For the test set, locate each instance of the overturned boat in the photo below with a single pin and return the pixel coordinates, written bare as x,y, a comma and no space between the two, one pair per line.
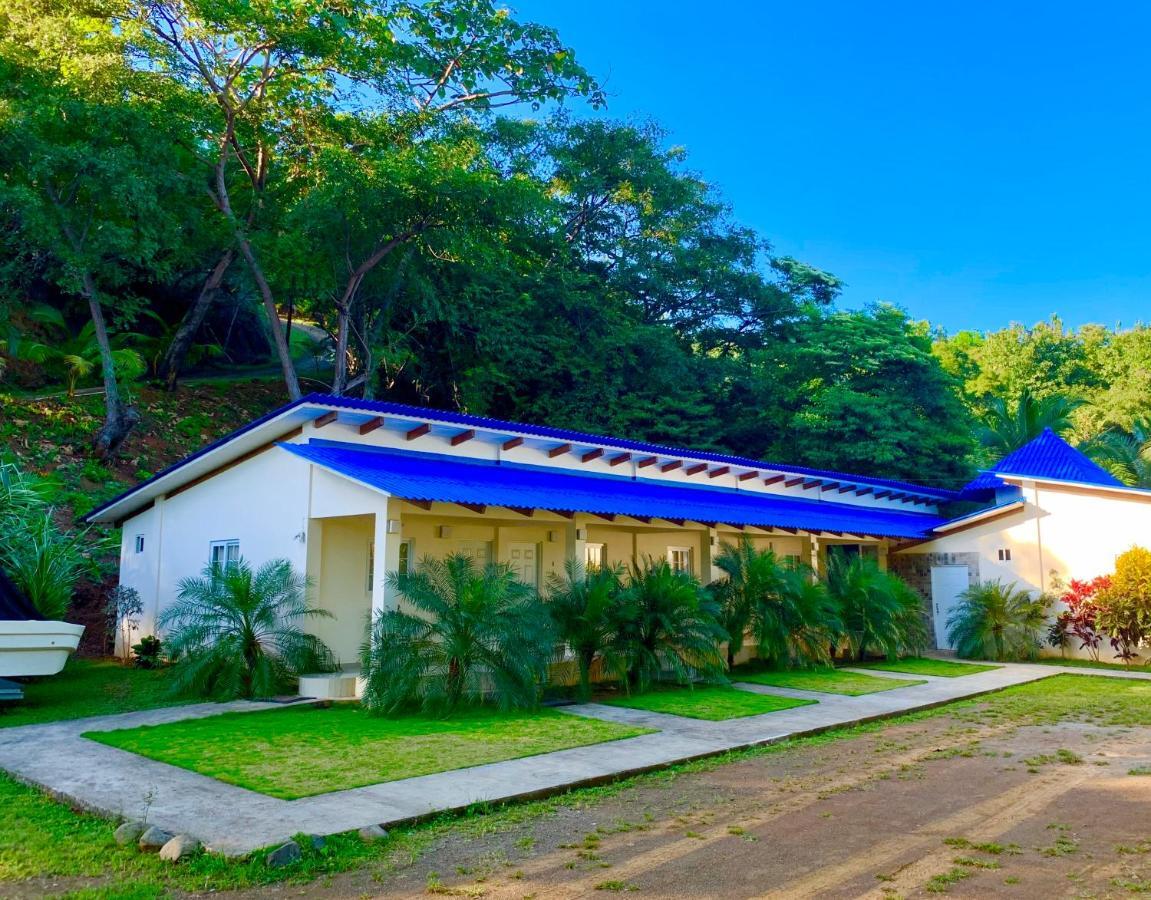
30,644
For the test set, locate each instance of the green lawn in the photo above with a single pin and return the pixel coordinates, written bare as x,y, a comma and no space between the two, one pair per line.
1092,664
829,681
88,688
711,703
921,665
304,750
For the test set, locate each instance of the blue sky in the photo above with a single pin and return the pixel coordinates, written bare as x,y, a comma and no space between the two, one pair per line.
974,163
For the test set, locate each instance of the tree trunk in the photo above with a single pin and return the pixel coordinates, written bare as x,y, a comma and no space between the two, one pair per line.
185,335
283,351
119,418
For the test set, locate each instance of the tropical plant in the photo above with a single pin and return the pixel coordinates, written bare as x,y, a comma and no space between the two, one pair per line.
1078,621
1126,454
237,632
477,633
787,611
42,560
669,626
148,654
124,609
585,609
999,621
77,357
879,611
1005,426
1124,606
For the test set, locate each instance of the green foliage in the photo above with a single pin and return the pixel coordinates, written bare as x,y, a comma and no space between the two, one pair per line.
669,626
236,632
997,621
714,704
1123,607
879,611
1006,426
585,609
148,654
476,634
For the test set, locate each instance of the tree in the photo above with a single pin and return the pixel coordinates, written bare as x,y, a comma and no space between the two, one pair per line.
286,79
668,624
236,631
1126,454
1124,606
585,610
1007,426
879,611
475,633
998,621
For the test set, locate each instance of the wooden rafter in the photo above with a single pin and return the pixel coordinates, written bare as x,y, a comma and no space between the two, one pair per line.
422,504
695,470
592,454
747,476
559,450
419,431
474,507
647,461
619,460
722,470
791,482
773,479
326,419
512,443
523,511
668,466
372,424
463,436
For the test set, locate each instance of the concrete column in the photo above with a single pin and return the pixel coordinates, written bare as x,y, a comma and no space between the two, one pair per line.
882,553
709,547
387,539
575,539
816,561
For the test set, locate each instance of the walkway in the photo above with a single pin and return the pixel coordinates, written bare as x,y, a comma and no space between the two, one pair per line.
234,820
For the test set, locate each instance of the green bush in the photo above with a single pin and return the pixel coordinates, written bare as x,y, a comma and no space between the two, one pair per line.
997,621
879,611
477,634
586,608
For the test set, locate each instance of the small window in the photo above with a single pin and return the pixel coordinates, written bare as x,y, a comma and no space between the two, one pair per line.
370,581
224,553
1005,554
594,556
680,558
139,543
404,566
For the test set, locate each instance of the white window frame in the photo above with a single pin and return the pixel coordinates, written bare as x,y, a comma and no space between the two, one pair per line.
227,546
688,554
595,555
139,543
406,557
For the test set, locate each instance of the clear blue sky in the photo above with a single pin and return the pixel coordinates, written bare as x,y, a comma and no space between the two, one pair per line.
975,163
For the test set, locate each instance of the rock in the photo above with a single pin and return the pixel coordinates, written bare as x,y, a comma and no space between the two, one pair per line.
373,833
283,855
154,838
318,841
180,847
130,832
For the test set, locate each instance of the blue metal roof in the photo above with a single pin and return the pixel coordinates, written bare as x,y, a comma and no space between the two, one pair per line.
1045,457
380,407
451,479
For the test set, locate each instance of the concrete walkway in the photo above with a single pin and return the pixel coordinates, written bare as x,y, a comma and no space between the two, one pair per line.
234,820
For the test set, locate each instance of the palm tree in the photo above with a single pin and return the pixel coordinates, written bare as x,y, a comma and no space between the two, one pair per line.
788,612
78,357
584,607
997,621
669,624
476,632
1126,454
235,632
1005,427
880,612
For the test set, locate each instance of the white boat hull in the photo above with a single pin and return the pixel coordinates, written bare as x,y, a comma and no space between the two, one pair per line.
36,648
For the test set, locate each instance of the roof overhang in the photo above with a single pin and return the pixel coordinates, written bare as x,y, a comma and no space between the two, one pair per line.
977,518
1079,486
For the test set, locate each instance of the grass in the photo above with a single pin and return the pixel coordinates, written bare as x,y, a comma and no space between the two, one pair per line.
43,840
1092,664
304,750
712,703
830,681
88,688
922,665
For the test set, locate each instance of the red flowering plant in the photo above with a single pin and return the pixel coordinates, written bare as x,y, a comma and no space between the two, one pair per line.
1077,621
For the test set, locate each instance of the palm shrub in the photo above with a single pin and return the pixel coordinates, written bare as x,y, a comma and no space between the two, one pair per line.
475,633
790,614
237,632
585,610
880,612
668,624
997,621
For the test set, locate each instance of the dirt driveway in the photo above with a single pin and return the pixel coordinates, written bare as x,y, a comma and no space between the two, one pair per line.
968,803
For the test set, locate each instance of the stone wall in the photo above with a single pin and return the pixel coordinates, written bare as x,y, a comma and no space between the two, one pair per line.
915,569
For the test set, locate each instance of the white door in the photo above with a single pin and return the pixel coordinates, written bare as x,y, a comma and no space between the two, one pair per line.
947,583
524,559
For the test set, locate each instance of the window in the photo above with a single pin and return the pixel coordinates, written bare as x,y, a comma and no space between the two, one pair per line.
404,566
224,553
680,558
370,581
1005,554
594,556
139,543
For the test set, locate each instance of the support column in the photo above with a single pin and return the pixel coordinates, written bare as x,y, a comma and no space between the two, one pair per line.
709,547
575,539
882,555
387,539
816,561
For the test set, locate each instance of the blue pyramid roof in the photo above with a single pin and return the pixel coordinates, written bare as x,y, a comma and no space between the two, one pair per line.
1045,457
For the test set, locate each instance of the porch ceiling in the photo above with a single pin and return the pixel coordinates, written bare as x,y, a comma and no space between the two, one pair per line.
451,479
